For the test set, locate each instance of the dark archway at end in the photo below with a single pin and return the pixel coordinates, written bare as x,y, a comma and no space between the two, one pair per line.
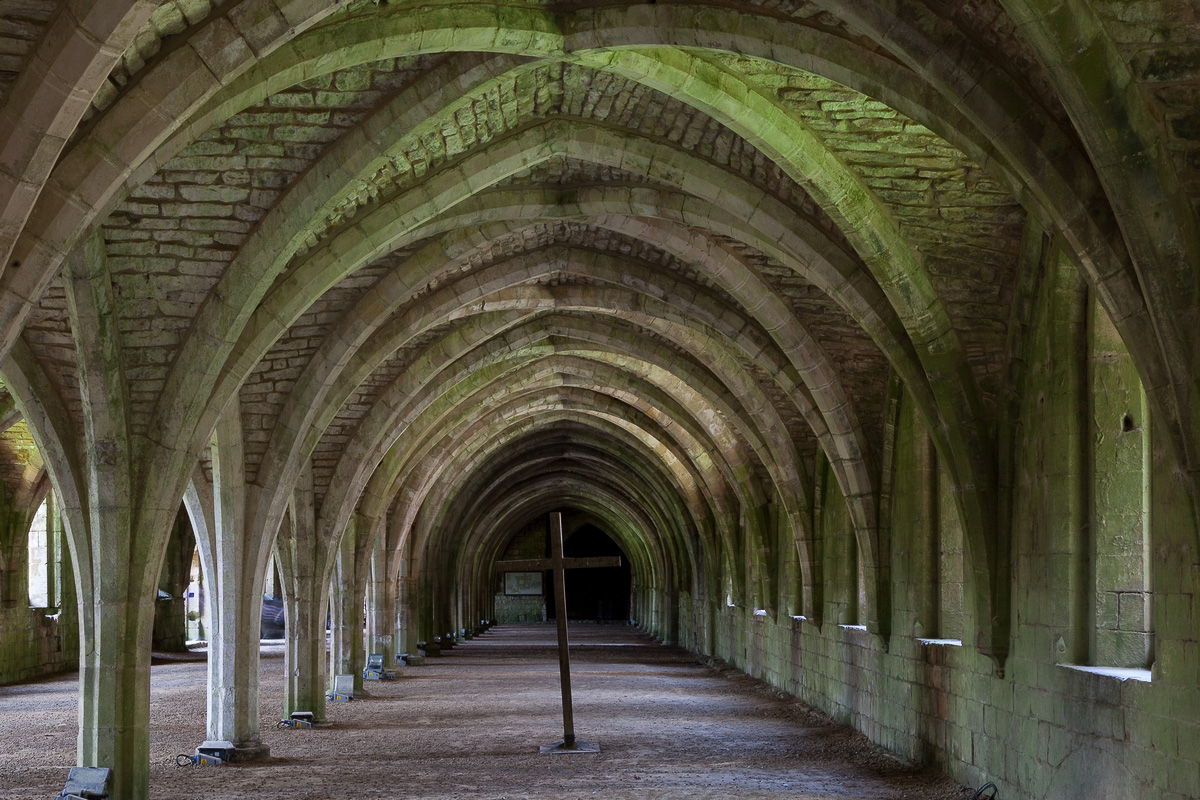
595,595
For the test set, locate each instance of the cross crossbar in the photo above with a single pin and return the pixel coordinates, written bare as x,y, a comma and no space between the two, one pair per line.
559,565
532,564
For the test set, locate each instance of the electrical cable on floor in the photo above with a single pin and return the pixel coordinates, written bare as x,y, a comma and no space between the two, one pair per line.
184,760
978,794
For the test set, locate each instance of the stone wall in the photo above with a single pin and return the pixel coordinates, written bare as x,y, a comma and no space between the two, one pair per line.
41,641
33,644
1040,731
1098,697
527,543
520,608
36,641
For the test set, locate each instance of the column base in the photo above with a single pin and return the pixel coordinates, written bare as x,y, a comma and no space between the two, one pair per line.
250,751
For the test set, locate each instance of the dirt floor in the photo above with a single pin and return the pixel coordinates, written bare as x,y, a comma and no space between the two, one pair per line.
468,725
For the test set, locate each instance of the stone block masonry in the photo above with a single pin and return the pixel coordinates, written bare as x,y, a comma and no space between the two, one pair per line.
1104,555
34,643
864,330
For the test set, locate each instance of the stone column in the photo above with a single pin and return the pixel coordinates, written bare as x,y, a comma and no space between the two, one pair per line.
637,609
405,640
422,607
303,565
381,605
671,605
407,626
234,597
473,600
346,656
441,600
117,527
67,596
704,611
271,581
114,670
456,595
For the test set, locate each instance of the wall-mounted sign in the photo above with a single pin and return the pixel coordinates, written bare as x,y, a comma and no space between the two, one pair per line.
522,583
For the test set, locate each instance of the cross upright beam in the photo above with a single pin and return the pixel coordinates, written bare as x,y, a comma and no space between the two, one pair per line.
559,565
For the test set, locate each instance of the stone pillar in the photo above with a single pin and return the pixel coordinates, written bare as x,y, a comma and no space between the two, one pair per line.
272,581
441,618
234,598
454,601
708,621
405,639
67,597
114,677
671,607
346,656
381,605
472,603
407,616
656,612
423,603
302,567
117,527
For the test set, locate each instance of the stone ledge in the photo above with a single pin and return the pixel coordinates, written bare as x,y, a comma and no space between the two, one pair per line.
1120,673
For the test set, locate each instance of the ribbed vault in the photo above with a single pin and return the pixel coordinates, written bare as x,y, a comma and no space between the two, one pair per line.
375,285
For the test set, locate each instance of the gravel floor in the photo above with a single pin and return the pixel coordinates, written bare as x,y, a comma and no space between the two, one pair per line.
468,725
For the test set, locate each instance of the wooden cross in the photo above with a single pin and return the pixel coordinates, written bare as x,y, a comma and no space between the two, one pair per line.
559,564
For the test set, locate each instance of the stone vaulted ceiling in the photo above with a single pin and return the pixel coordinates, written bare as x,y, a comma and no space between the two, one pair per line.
448,265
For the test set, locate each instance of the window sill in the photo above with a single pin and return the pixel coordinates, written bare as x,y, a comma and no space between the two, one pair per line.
1120,673
940,642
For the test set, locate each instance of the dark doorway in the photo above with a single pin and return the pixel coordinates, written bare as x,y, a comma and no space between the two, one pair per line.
598,595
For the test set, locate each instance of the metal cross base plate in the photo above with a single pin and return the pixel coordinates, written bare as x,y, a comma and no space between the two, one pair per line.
558,749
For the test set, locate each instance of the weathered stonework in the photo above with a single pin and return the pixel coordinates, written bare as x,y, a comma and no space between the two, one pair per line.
865,329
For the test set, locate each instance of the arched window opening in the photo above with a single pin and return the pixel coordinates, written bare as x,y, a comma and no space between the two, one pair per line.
41,556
